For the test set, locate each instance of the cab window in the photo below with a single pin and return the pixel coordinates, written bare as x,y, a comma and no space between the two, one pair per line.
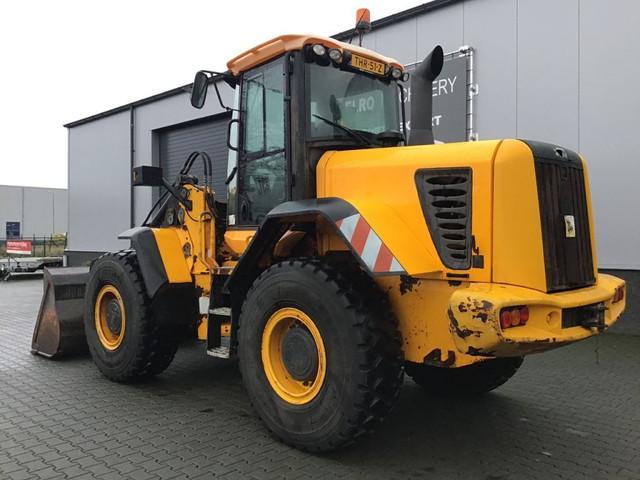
262,172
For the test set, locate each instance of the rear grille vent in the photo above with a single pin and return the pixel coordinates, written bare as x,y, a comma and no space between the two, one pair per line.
564,217
445,197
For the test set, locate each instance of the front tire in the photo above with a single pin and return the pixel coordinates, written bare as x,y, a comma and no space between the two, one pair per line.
124,339
477,378
319,354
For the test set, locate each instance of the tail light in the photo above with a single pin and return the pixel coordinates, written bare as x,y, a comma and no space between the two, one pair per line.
514,316
618,295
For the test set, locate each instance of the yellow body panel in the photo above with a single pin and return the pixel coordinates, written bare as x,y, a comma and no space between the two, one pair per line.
592,230
188,250
518,258
447,317
420,308
454,321
380,184
474,314
517,232
238,240
441,322
170,246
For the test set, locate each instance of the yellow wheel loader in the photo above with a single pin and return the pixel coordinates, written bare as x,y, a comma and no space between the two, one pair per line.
346,252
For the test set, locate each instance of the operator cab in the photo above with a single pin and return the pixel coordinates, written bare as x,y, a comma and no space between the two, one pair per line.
297,97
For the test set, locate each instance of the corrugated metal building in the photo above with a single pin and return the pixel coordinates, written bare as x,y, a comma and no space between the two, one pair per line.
562,72
160,130
32,212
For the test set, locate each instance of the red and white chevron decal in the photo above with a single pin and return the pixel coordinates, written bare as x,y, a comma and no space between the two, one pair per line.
367,244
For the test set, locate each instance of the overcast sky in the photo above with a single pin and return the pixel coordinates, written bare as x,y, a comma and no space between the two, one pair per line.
67,59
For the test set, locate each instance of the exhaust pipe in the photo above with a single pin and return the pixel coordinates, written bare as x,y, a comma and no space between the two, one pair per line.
422,97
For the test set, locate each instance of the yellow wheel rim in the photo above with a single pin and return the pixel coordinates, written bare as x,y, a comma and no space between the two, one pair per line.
293,356
110,317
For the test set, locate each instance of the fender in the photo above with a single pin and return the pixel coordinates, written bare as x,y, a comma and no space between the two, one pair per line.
383,185
362,240
159,263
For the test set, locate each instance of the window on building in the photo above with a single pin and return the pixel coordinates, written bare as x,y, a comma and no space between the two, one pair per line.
13,230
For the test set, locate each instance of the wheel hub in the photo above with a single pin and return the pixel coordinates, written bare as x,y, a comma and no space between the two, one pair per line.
293,356
299,353
114,316
110,317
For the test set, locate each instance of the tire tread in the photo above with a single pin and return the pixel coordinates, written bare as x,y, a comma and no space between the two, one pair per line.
155,348
379,347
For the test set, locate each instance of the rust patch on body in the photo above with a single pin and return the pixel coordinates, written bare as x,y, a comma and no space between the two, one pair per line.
461,332
407,283
434,358
479,309
478,351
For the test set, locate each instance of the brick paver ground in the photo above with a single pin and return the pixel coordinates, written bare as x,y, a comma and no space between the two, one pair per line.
573,413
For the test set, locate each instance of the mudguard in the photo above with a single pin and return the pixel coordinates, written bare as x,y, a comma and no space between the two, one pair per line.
350,225
159,263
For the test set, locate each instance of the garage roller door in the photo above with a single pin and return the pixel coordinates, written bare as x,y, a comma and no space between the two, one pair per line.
210,135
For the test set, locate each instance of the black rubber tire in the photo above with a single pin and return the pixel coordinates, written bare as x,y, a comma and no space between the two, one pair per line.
478,378
364,358
147,349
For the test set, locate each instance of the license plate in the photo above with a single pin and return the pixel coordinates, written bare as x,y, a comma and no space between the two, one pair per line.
367,65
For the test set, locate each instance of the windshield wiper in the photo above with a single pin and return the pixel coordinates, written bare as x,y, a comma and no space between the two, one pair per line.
390,136
361,138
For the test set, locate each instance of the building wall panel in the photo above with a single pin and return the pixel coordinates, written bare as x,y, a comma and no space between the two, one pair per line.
10,207
61,217
399,41
609,106
440,27
547,79
99,184
40,211
490,28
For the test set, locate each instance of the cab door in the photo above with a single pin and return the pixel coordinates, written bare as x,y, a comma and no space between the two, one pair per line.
262,181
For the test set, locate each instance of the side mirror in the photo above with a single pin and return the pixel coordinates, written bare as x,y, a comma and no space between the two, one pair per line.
147,176
199,89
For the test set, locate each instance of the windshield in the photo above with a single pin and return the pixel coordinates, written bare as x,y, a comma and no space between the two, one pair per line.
353,100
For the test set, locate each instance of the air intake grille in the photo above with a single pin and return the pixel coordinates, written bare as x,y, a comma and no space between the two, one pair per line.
445,197
566,236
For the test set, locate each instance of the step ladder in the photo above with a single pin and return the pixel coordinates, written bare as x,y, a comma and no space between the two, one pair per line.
222,351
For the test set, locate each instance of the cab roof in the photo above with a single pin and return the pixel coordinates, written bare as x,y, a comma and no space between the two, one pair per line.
286,43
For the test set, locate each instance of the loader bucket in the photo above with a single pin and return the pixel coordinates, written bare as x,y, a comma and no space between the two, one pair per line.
59,328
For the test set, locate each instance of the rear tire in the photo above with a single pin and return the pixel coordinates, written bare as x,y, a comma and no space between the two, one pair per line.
477,378
347,383
124,339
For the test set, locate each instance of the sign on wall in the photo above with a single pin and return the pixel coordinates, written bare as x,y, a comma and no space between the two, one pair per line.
453,92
